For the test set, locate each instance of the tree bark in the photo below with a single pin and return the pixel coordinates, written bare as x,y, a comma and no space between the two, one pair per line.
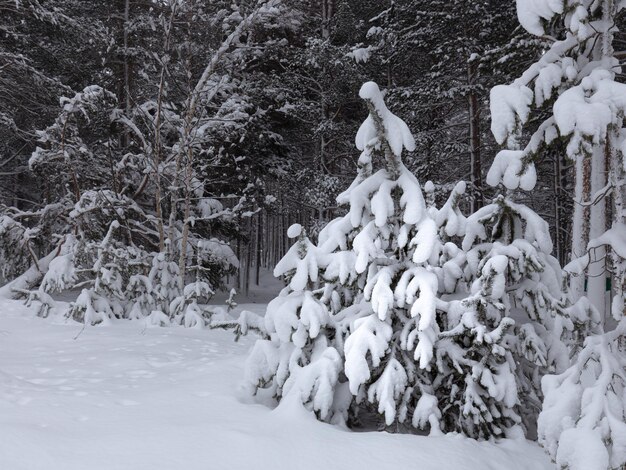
596,284
328,9
474,131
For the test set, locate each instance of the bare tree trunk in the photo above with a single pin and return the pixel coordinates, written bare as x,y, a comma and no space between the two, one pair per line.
474,131
596,287
157,149
328,9
557,206
238,276
126,60
259,252
248,258
182,262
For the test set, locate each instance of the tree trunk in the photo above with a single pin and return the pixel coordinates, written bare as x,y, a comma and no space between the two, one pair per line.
126,58
557,206
596,284
579,233
259,251
474,131
617,176
328,8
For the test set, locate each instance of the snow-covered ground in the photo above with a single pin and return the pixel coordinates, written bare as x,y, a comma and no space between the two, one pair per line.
129,397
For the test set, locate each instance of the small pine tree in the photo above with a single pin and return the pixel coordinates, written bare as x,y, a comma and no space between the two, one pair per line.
105,300
508,331
356,327
109,279
166,283
139,289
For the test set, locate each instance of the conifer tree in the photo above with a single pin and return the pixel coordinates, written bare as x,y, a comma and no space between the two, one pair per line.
509,331
575,83
357,326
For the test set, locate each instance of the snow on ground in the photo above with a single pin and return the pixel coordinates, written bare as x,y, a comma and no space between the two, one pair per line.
126,397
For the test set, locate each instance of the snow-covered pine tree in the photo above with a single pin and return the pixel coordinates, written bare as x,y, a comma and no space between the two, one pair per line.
582,421
139,289
386,323
104,167
575,81
103,301
357,326
166,282
300,358
507,333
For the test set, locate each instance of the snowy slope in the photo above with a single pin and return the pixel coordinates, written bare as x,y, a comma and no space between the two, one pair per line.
126,397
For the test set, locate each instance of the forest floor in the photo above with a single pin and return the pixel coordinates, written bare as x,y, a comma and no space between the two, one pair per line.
125,396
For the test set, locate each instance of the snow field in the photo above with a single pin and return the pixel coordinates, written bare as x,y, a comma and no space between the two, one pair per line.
128,397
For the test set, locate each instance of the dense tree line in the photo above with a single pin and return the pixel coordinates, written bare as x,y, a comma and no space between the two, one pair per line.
291,86
297,81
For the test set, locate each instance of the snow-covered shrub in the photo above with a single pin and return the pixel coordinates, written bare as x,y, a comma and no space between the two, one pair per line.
583,423
90,308
166,283
15,250
139,289
193,314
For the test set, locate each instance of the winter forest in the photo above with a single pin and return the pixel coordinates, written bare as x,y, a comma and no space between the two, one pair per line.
304,234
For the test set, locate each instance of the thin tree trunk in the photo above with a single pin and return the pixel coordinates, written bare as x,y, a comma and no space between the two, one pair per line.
557,206
238,277
126,60
474,131
596,290
259,252
157,134
328,7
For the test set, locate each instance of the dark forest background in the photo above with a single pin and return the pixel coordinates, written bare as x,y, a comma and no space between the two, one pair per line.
277,135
